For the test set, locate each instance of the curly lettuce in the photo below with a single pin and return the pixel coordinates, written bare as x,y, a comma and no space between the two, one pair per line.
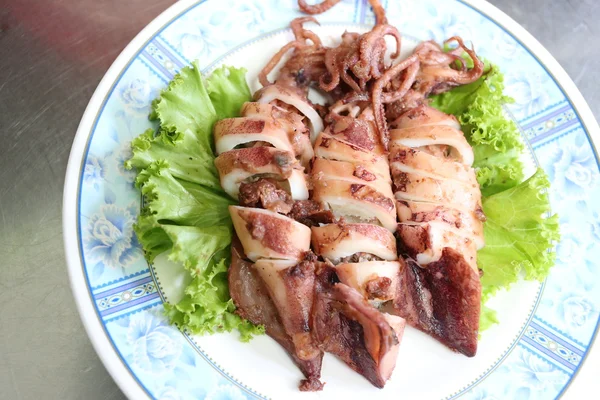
496,140
185,211
519,232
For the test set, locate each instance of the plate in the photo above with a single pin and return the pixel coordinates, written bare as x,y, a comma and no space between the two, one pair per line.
546,328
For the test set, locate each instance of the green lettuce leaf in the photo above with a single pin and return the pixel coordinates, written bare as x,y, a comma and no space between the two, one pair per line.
207,308
180,202
152,237
228,91
496,140
185,211
487,318
519,235
185,106
184,157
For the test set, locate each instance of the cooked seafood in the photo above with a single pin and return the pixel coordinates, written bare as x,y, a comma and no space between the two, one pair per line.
305,65
254,303
291,285
358,189
237,166
338,241
277,93
439,206
345,324
235,133
265,234
375,280
263,156
350,176
434,168
442,299
361,191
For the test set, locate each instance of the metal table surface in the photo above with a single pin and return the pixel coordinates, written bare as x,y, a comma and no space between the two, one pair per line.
53,53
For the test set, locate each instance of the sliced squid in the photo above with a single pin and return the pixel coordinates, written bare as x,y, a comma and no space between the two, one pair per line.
232,132
240,165
327,170
294,120
346,325
291,286
375,280
450,142
266,234
253,109
356,202
415,187
425,242
424,115
245,131
357,132
292,98
461,220
442,300
441,227
332,148
397,323
411,160
337,241
254,303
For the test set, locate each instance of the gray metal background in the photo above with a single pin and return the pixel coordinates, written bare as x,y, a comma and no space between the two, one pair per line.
52,55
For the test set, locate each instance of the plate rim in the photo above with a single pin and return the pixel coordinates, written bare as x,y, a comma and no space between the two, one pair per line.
95,329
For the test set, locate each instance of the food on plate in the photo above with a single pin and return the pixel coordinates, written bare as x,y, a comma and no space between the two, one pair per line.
347,242
348,326
255,304
266,234
361,193
337,224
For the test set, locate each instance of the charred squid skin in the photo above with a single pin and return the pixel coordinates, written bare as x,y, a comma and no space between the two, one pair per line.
442,300
291,287
253,302
346,325
277,293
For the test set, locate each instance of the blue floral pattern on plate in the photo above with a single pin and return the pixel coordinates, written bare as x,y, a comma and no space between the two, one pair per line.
164,361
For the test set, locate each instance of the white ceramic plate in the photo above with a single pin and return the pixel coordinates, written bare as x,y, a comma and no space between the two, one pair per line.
546,328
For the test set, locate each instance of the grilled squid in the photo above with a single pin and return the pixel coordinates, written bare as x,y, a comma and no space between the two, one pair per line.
305,65
438,203
376,175
291,98
345,324
350,176
263,157
432,173
356,189
255,303
364,256
339,242
266,234
291,285
281,133
242,165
